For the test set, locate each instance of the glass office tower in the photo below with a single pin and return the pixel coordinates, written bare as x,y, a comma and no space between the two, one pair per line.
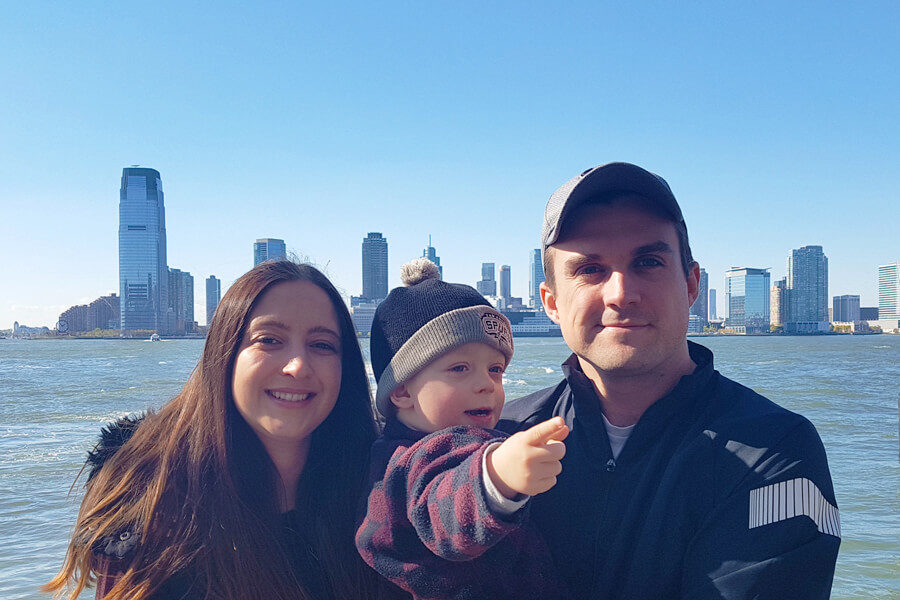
268,249
143,273
536,272
748,295
374,266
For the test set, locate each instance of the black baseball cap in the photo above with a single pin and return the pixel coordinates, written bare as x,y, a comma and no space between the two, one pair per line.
599,182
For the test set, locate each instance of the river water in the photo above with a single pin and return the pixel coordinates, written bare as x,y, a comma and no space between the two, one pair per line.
55,396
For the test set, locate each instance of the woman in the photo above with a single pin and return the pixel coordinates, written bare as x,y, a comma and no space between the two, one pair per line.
245,485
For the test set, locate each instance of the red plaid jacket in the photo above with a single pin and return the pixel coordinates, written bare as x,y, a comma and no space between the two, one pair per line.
429,529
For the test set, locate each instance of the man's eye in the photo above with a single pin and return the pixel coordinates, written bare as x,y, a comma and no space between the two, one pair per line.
648,261
588,270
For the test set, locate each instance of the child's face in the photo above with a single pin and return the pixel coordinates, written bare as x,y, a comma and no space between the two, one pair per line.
462,387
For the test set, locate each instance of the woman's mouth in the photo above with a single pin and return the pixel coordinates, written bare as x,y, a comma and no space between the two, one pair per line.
288,396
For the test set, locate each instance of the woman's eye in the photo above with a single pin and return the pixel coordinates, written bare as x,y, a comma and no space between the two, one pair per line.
266,340
325,347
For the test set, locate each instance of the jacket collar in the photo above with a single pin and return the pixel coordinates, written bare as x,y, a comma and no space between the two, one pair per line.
396,430
680,404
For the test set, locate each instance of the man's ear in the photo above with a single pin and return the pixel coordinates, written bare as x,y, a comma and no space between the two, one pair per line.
693,282
400,397
548,299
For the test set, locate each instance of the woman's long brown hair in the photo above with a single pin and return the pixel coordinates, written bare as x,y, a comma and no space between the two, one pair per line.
198,483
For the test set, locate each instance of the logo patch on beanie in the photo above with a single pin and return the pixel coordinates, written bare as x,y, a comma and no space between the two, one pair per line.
496,326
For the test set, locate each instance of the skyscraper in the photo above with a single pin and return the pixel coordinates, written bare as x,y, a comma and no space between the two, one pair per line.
181,301
536,273
747,290
699,307
213,297
889,291
268,249
712,304
488,285
807,284
505,283
845,308
778,302
143,273
431,254
374,267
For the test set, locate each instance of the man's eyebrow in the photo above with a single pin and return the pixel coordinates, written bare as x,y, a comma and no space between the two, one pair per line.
580,259
654,248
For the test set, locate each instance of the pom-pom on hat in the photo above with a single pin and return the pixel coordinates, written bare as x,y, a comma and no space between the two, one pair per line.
426,319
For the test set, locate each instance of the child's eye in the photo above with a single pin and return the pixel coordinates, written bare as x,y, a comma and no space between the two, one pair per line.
458,368
497,369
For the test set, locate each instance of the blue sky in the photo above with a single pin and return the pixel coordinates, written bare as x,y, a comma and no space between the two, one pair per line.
776,126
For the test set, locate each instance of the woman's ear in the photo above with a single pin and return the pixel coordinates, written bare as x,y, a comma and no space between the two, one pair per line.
400,397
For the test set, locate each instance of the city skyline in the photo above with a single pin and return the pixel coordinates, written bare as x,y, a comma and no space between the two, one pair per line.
426,120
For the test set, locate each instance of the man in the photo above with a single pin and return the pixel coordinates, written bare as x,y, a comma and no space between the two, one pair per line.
677,482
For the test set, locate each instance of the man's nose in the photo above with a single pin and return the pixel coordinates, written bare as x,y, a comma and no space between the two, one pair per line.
620,290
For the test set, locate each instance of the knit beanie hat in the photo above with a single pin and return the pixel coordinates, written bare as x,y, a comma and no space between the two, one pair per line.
426,319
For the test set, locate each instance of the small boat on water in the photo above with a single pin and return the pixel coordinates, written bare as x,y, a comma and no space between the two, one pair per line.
154,337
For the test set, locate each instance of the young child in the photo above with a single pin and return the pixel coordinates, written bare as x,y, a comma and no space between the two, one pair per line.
446,514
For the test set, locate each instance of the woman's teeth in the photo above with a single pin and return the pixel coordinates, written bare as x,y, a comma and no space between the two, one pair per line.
290,397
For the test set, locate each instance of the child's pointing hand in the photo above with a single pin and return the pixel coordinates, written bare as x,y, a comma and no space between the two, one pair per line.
528,461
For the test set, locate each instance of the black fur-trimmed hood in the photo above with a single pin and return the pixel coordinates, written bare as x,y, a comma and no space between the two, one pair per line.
112,437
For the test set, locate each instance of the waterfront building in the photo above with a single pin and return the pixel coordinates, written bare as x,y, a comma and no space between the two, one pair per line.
431,254
536,273
181,302
363,314
747,290
374,266
868,313
268,249
845,308
531,323
488,285
505,285
807,284
213,297
143,272
889,296
712,305
699,307
889,291
778,302
102,313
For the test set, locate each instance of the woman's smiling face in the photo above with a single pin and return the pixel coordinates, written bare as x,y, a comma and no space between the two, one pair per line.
287,374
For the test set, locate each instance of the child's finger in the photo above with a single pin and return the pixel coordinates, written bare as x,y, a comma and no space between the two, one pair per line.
548,430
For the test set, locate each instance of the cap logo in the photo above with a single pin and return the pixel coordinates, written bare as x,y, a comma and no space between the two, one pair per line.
495,326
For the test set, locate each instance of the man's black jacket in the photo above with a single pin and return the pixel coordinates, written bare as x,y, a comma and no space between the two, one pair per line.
718,493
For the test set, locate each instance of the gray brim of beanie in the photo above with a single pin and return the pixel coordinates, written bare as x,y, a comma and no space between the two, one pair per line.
439,336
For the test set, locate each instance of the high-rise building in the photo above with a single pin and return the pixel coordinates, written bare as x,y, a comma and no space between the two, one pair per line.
143,272
889,291
505,283
845,308
747,290
488,285
213,297
712,304
807,285
268,249
778,302
699,307
536,273
181,301
431,254
374,267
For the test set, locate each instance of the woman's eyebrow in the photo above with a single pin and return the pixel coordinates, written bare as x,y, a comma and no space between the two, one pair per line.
260,322
323,329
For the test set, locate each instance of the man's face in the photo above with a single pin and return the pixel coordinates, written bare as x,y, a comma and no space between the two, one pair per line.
620,294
